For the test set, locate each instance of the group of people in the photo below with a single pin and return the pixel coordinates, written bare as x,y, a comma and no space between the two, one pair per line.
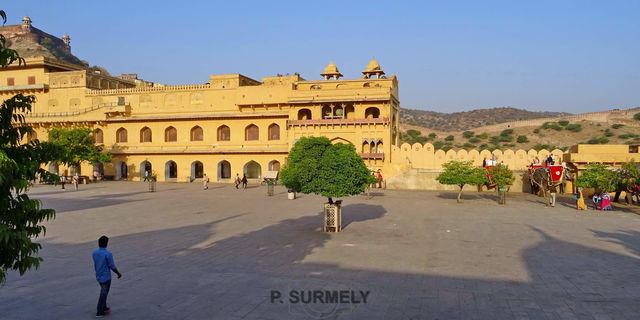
75,180
550,160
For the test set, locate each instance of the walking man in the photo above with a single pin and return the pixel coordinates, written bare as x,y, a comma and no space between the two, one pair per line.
552,196
63,180
244,181
75,180
237,181
104,264
205,181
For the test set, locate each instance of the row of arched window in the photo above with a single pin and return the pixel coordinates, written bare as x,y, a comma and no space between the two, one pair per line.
251,133
251,169
339,112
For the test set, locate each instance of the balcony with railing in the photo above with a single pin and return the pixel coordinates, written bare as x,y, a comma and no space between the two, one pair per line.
372,156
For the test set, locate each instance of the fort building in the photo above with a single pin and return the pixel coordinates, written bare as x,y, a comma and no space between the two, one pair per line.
229,125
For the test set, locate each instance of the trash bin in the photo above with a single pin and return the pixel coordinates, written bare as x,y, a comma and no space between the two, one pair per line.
333,216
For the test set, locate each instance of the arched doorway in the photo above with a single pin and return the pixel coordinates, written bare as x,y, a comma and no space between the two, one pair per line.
170,171
224,170
197,170
253,170
145,166
122,172
274,165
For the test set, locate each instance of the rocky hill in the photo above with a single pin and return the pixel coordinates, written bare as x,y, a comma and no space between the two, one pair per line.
460,121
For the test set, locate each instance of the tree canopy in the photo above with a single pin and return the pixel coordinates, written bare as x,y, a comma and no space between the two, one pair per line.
502,175
461,173
77,145
598,176
315,165
20,216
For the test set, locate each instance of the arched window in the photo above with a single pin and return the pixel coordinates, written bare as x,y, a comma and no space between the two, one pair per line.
145,134
379,147
146,170
224,170
338,112
253,170
224,133
170,170
170,134
197,170
121,135
251,132
274,165
327,112
372,112
197,134
304,114
98,136
366,147
274,132
349,112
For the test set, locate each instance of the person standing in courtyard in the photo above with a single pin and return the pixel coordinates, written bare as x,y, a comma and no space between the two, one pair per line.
146,175
379,178
237,181
63,180
205,182
244,181
552,196
103,264
580,205
95,176
75,180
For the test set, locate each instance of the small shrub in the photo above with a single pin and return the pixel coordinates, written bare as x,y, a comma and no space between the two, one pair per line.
483,146
536,130
628,136
563,123
449,138
438,145
637,116
574,127
617,125
598,140
468,146
474,140
608,133
551,125
432,136
467,134
506,132
522,139
483,136
509,145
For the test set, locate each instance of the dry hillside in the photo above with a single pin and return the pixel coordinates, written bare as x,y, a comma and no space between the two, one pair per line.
617,127
460,121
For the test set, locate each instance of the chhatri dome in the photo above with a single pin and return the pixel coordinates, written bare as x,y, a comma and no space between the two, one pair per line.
331,71
373,69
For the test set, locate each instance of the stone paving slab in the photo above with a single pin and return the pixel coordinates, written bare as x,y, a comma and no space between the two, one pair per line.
188,253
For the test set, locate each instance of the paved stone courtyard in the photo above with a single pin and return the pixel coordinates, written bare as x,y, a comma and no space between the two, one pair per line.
188,253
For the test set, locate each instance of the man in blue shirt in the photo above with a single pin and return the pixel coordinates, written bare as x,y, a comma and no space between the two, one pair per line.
103,263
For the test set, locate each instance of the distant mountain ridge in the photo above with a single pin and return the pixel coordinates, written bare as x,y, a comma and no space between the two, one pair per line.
460,121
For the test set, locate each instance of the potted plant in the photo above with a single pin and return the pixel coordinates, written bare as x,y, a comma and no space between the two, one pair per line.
315,165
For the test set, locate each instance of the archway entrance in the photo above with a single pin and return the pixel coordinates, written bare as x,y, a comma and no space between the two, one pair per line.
170,171
122,172
274,165
53,168
145,166
224,170
197,170
253,170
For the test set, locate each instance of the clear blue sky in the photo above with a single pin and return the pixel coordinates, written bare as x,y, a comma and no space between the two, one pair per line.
572,56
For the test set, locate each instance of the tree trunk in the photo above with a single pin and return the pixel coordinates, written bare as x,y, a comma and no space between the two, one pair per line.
460,193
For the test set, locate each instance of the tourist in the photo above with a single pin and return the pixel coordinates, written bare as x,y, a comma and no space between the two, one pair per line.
536,161
552,196
63,180
95,176
75,180
379,178
484,162
103,264
237,181
580,205
146,175
205,182
244,181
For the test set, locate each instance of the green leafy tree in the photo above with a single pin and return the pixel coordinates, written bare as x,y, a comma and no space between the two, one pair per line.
77,145
467,134
315,165
461,173
502,177
20,216
637,116
599,177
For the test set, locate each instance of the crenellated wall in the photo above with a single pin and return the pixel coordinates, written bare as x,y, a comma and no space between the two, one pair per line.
416,166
